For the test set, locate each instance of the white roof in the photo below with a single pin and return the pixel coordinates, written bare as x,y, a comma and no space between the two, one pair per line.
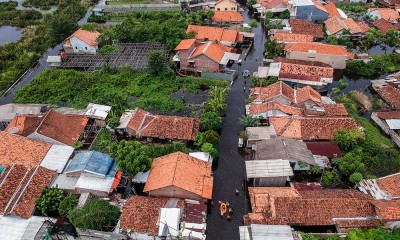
248,34
204,156
125,118
16,228
274,69
260,133
97,111
341,13
57,157
53,59
91,182
271,232
393,123
169,221
302,2
229,56
65,182
268,168
9,111
141,177
262,72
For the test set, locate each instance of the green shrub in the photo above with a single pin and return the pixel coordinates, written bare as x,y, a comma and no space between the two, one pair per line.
210,121
49,201
67,204
356,177
330,178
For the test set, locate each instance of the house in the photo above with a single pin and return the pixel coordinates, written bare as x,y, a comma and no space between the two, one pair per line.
301,26
292,38
334,55
279,92
97,111
224,17
389,90
388,14
273,108
16,228
227,5
343,209
82,41
384,26
9,111
261,231
204,57
256,134
20,187
333,11
181,176
268,173
389,122
296,152
386,188
388,3
327,149
388,213
89,172
310,128
141,124
339,27
275,6
303,72
310,10
224,36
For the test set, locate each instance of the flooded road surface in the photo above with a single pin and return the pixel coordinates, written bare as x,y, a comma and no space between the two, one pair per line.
9,34
230,172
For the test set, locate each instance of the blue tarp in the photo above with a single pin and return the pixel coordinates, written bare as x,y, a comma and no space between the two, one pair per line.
92,161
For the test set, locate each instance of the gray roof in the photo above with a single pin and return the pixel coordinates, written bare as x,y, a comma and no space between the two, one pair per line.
265,232
260,133
9,111
57,157
284,148
268,168
12,227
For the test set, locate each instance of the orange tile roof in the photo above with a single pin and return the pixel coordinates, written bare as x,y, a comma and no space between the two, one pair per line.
23,125
390,184
390,94
310,128
141,214
334,25
65,128
262,198
292,37
318,5
145,124
352,26
388,211
227,16
21,150
277,89
387,13
269,4
319,48
338,109
215,51
301,26
183,171
185,44
308,93
384,25
363,26
214,33
89,37
304,71
332,10
268,106
232,1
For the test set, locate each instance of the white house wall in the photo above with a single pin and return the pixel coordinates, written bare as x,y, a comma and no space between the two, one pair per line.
80,46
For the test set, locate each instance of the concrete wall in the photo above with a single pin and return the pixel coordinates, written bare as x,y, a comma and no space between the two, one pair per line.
220,76
336,61
310,13
226,6
173,191
81,47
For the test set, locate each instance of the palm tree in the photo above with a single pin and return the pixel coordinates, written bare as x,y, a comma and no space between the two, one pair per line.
249,121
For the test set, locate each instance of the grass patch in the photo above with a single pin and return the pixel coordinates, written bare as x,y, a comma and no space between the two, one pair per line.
128,2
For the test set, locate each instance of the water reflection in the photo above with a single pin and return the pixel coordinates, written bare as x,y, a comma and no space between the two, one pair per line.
9,34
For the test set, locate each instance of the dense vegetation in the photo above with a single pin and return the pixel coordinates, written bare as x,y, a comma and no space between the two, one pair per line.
52,202
38,36
358,234
340,40
353,9
379,64
118,88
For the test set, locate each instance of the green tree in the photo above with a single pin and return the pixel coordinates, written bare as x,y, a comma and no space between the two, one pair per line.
217,101
157,62
97,214
351,162
208,147
330,178
49,201
253,23
210,121
315,169
61,27
285,14
273,49
347,139
356,177
67,204
250,4
249,121
130,156
209,136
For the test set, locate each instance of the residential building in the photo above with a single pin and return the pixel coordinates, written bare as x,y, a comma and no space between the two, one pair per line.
82,41
333,11
389,122
334,55
256,134
388,14
224,36
204,57
310,10
389,90
388,213
339,27
181,176
301,26
303,72
292,38
9,111
273,108
204,156
268,173
327,149
384,26
89,172
268,232
16,228
224,17
386,188
227,6
311,128
343,209
388,3
141,124
275,6
278,92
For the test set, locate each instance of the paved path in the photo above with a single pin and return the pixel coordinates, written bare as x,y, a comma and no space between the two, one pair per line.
230,171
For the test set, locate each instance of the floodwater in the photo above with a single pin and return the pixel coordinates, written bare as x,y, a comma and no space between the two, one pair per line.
20,7
9,34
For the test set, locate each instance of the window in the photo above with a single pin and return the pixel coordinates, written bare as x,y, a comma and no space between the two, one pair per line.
233,9
226,9
218,9
76,47
85,48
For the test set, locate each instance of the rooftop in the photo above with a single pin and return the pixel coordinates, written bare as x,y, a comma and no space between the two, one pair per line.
327,149
319,48
386,13
390,184
292,37
388,211
332,10
214,51
183,171
24,125
274,90
304,70
268,168
89,37
390,94
92,162
384,25
336,24
185,44
227,16
301,26
273,105
9,111
308,93
214,33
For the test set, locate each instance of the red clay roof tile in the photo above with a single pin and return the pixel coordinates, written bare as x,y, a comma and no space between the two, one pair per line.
24,125
214,33
301,26
319,48
390,184
332,10
292,37
227,16
89,37
384,25
185,44
388,211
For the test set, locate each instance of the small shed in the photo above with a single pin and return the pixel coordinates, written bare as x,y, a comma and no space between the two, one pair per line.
97,111
93,162
262,72
57,157
54,61
268,173
256,134
266,232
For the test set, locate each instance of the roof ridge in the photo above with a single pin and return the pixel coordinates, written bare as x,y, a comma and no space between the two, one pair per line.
16,191
176,165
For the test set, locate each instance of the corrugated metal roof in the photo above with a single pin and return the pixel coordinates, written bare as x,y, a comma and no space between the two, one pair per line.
268,168
16,228
57,157
393,123
9,111
93,162
92,182
97,111
63,181
169,221
271,232
260,133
